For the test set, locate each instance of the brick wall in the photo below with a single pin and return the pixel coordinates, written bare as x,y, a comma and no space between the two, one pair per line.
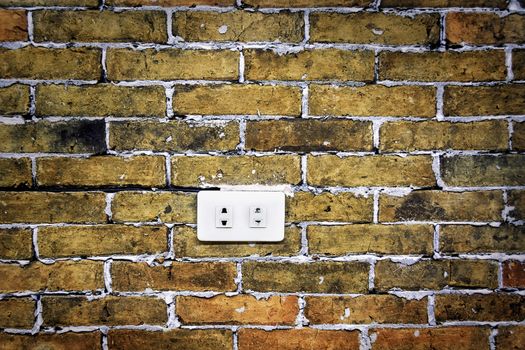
397,125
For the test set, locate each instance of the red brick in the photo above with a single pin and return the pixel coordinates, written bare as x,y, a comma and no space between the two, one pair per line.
514,274
13,25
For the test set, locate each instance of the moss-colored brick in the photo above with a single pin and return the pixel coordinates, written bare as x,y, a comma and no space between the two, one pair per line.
518,137
518,64
177,276
374,28
14,100
58,242
15,172
17,313
13,25
482,239
16,243
465,101
170,3
479,307
373,100
307,3
484,28
510,338
317,277
32,3
516,200
514,274
62,341
445,3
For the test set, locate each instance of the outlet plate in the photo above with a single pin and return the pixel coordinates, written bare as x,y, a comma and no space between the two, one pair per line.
243,216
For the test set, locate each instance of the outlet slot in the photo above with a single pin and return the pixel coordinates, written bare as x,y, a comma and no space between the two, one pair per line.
258,217
223,217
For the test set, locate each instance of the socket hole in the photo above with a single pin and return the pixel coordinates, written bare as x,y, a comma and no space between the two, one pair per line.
224,222
224,211
257,210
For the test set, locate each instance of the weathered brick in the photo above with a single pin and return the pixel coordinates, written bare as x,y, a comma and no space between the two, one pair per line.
346,207
238,309
31,3
15,172
235,170
174,136
484,100
154,206
483,170
332,170
445,3
146,171
445,338
100,26
518,136
374,28
484,28
62,341
67,241
171,64
510,338
307,3
239,26
318,277
362,239
373,100
298,339
365,309
518,64
100,100
16,243
194,339
482,239
13,25
435,275
62,275
516,200
442,206
443,66
170,3
17,313
177,276
14,100
323,64
433,135
42,63
480,307
108,311
186,244
237,99
75,136
51,207
514,274
309,135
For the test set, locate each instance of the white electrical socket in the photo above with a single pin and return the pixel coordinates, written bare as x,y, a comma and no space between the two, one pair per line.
258,216
223,217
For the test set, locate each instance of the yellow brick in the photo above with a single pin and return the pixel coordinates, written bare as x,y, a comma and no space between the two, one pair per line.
17,313
518,137
16,243
170,3
307,3
15,172
484,100
482,239
445,3
478,307
484,28
14,100
62,341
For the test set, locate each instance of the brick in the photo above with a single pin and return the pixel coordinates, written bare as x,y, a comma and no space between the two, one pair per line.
140,171
60,276
318,277
502,4
16,244
13,25
186,244
443,66
15,172
510,338
435,275
14,100
373,100
365,309
170,3
411,136
374,28
177,276
235,170
75,136
237,99
480,307
443,338
344,206
307,3
108,311
518,64
518,137
442,206
516,200
483,170
298,339
238,309
363,239
468,101
194,339
100,100
32,3
154,206
309,135
62,341
52,207
17,313
100,26
171,64
42,63
323,64
484,28
239,26
482,239
101,240
514,274
174,136
332,170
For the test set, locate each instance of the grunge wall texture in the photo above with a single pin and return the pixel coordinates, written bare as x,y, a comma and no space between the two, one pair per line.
397,125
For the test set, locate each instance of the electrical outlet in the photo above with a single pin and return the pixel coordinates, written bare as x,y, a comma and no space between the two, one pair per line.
223,217
257,216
